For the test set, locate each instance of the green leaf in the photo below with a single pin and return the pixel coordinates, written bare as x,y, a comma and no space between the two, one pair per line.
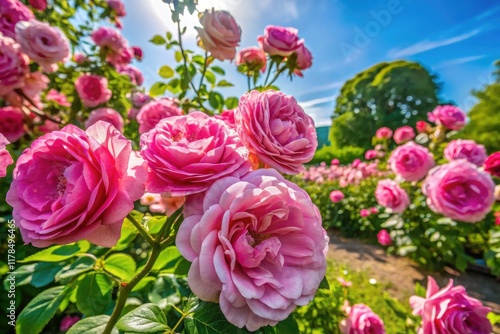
224,83
397,307
81,265
231,102
208,319
216,100
158,40
210,77
147,318
218,70
178,56
155,224
122,266
23,276
289,325
58,253
324,284
167,259
419,290
45,273
128,233
94,294
169,35
40,310
166,72
91,325
199,60
157,89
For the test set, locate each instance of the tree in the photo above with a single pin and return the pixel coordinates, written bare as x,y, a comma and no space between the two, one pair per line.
388,94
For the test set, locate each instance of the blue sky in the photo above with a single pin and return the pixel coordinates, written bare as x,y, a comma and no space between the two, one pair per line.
457,40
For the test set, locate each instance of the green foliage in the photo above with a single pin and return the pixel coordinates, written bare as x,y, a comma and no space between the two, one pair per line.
91,325
346,154
147,318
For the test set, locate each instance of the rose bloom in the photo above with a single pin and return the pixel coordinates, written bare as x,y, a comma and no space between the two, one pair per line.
109,38
12,123
279,41
228,117
162,203
384,238
384,133
80,58
371,154
11,12
497,193
92,89
304,59
132,72
138,54
139,99
256,245
186,154
13,65
492,164
5,157
122,57
361,320
450,310
72,185
411,161
364,213
117,7
449,116
335,162
153,112
38,4
374,210
460,191
67,322
44,44
403,134
423,127
253,57
390,195
336,196
274,127
220,34
107,115
48,126
57,97
466,149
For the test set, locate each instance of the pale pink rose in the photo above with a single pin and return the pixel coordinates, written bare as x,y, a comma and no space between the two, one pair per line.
44,44
466,149
13,65
132,72
497,193
121,58
355,163
411,161
304,59
343,282
12,123
279,41
449,116
117,6
107,115
139,99
336,196
162,203
220,34
256,245
274,127
92,89
450,310
391,196
109,38
5,157
371,154
384,238
364,213
361,320
186,154
67,322
73,185
153,112
460,191
38,4
228,117
384,133
11,12
34,84
403,134
253,57
59,98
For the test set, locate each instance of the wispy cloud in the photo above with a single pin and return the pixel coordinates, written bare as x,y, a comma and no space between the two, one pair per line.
458,61
427,45
487,14
291,8
323,88
315,102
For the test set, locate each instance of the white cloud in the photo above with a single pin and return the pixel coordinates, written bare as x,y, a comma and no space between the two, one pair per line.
458,61
315,102
328,87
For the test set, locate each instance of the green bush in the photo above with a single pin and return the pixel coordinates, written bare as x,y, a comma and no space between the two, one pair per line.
345,155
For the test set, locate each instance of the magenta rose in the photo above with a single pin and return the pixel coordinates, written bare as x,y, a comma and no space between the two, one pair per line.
304,57
423,127
449,116
492,164
279,41
384,133
107,115
274,127
13,65
371,154
460,191
384,238
336,196
411,161
67,322
391,196
361,320
117,6
92,89
138,54
186,154
220,34
450,310
44,44
153,112
364,213
256,245
72,185
403,134
466,149
57,97
5,157
253,57
38,4
132,72
11,12
12,123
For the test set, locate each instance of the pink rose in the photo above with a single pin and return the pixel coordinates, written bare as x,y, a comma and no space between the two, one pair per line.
122,57
256,245
220,34
138,54
466,149
67,322
336,196
423,127
34,84
107,115
59,98
450,310
228,117
460,191
5,157
92,90
361,320
374,210
117,6
162,203
391,196
139,99
274,127
12,123
186,154
449,116
38,4
384,133
48,126
304,58
44,44
253,57
132,72
371,154
153,112
11,12
364,213
384,238
403,134
13,65
109,38
73,185
80,58
492,164
279,41
335,162
411,161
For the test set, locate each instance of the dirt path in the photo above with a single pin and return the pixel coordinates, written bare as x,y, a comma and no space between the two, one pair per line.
402,273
